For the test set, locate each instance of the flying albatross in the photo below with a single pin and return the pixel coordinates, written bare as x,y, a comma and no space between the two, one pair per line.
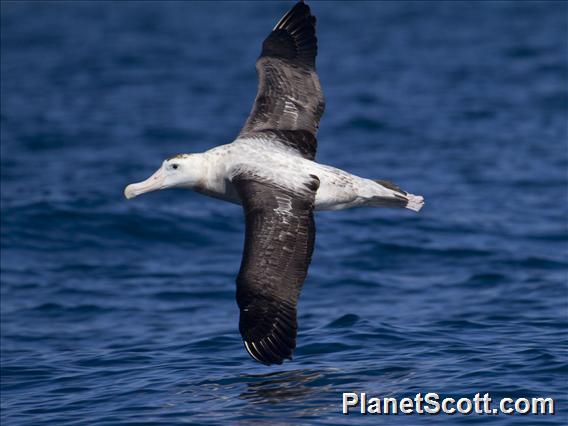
270,170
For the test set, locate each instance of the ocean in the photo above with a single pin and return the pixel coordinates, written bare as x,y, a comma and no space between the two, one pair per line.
117,312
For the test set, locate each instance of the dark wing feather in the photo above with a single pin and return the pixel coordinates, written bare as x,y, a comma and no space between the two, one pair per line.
289,102
279,242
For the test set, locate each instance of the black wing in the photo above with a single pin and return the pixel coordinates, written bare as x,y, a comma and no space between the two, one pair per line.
289,102
279,242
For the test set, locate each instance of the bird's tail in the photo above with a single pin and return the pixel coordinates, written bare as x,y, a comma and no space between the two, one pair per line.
415,202
393,196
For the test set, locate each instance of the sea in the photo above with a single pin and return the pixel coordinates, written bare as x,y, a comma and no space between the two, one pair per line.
123,312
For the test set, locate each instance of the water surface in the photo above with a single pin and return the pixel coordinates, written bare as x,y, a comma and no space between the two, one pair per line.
123,312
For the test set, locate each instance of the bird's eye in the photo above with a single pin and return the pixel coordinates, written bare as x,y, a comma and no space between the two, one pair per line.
174,166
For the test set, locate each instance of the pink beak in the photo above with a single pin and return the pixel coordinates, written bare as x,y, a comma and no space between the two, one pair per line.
153,183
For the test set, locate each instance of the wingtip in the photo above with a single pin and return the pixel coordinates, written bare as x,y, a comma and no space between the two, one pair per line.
260,355
266,354
300,10
253,353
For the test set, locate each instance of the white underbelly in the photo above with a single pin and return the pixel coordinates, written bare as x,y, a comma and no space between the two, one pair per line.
337,190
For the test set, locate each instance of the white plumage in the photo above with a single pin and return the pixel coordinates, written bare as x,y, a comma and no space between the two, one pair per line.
272,162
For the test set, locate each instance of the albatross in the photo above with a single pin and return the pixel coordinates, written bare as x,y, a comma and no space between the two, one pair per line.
270,170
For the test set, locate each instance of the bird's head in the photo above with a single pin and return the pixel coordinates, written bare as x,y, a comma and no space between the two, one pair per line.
181,171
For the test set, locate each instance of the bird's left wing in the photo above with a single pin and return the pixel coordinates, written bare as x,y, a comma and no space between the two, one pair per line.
279,242
289,102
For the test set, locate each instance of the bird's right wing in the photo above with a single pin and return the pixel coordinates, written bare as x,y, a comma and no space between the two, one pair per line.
279,242
289,102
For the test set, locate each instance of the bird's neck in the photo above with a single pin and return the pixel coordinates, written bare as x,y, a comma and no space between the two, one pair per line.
213,175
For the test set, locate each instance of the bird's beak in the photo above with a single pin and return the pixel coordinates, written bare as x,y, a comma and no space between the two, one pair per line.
153,183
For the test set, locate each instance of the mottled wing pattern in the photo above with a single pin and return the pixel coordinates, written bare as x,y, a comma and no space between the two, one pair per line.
279,242
289,102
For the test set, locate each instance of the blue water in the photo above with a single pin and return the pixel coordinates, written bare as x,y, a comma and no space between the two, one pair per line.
123,312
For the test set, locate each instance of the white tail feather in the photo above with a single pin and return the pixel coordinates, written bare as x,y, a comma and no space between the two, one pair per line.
415,202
